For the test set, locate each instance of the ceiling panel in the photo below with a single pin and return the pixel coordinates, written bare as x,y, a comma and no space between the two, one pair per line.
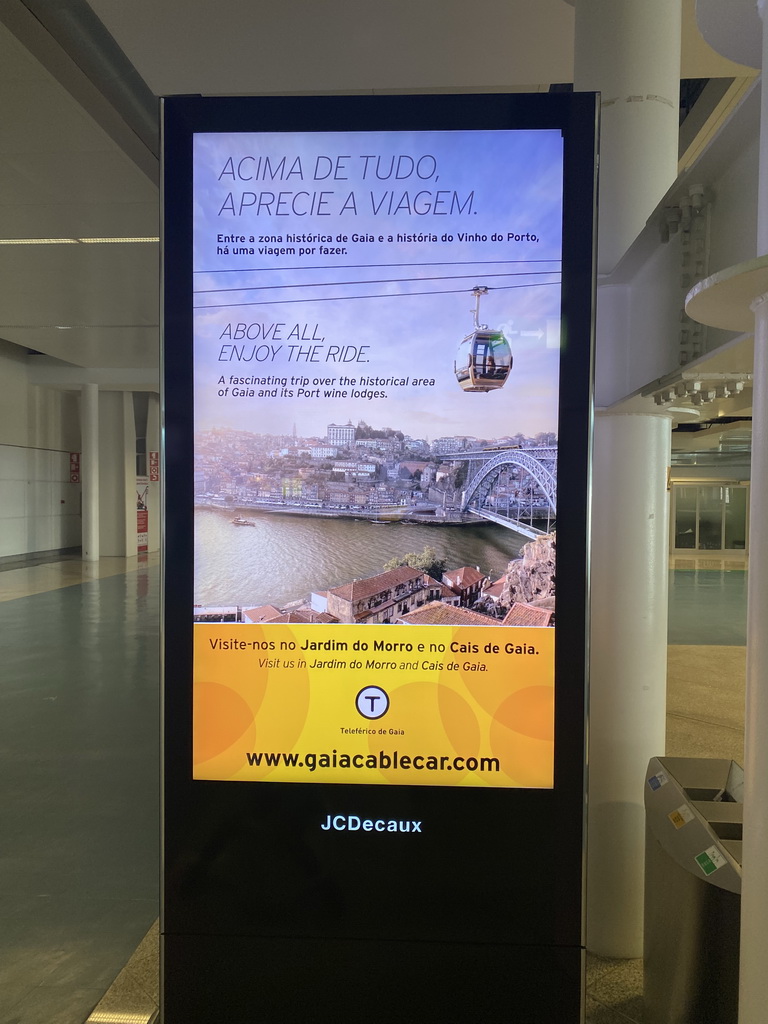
62,176
227,46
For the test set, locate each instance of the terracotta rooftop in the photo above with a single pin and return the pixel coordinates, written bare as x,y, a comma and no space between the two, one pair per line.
264,613
359,590
521,614
437,613
292,617
465,577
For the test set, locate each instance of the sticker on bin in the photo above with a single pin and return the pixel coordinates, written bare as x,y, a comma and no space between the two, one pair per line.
657,781
681,816
710,860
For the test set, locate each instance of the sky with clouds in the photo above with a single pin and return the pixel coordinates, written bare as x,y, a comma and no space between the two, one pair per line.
394,308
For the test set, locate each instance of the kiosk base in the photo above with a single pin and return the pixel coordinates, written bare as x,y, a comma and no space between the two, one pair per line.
247,980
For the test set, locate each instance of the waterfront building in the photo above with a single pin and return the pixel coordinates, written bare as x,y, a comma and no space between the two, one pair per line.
467,582
216,614
301,615
264,613
495,591
384,597
355,469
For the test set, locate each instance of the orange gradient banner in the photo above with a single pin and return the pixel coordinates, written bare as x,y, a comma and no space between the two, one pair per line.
403,705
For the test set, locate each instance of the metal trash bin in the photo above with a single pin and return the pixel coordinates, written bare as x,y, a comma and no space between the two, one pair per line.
693,815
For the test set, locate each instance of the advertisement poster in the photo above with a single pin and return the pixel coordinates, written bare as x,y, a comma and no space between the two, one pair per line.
376,362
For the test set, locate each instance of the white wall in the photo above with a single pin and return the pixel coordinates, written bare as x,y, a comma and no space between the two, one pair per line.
39,507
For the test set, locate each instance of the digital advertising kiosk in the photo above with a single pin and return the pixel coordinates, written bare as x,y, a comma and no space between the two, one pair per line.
377,394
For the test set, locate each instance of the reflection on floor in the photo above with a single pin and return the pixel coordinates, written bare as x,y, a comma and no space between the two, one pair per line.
134,995
79,740
79,764
46,576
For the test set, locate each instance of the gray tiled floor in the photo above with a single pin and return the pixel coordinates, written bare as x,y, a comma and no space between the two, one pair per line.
707,606
79,743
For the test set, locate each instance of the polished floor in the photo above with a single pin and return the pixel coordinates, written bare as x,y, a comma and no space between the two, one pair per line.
79,740
79,766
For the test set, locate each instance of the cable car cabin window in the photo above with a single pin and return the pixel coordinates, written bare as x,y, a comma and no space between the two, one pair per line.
483,361
484,358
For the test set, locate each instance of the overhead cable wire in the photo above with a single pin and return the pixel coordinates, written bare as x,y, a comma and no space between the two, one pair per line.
390,280
381,295
375,266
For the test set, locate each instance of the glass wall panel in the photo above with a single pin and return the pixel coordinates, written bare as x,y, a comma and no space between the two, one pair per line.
685,517
735,518
710,518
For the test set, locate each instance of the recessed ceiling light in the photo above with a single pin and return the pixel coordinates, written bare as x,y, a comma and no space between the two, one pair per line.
77,241
92,241
38,241
78,327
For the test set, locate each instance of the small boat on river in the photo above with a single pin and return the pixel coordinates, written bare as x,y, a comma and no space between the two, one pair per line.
239,521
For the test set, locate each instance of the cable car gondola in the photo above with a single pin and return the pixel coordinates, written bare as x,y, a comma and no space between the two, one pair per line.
484,358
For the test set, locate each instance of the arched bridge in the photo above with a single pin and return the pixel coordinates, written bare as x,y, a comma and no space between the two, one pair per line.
534,499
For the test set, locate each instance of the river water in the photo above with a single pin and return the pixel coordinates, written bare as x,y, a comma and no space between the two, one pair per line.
283,558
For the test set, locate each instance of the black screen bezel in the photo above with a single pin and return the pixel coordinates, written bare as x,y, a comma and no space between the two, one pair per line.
208,824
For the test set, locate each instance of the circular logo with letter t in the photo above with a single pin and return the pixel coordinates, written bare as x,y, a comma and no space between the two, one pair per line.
372,702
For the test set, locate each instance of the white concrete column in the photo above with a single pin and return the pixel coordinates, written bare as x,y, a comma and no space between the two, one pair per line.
753,976
627,717
89,470
753,981
629,50
153,445
762,174
129,474
118,474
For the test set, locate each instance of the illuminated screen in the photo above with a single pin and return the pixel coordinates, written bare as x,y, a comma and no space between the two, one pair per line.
376,362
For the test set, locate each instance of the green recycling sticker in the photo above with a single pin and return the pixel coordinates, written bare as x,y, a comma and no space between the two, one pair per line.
710,860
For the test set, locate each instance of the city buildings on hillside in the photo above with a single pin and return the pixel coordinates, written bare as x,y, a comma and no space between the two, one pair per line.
341,435
237,469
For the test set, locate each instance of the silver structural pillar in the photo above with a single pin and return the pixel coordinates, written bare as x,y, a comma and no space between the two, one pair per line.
629,50
89,470
627,717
